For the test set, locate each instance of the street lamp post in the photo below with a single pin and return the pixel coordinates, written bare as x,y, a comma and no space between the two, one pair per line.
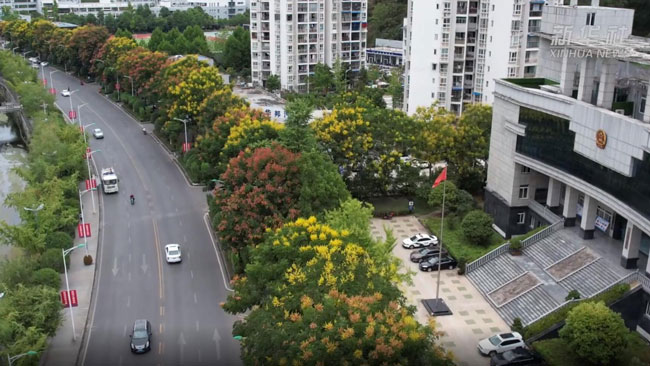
52,80
35,210
81,207
11,359
71,107
92,197
130,78
13,50
25,54
79,117
184,124
67,284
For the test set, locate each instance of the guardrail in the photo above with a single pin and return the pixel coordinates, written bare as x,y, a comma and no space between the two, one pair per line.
542,234
543,211
488,257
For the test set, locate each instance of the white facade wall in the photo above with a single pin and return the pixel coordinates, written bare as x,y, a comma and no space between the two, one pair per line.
218,9
290,37
491,32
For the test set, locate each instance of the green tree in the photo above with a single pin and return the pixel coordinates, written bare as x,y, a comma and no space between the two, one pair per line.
273,83
386,19
47,277
297,136
595,333
237,51
322,187
395,87
123,33
477,227
36,306
157,38
322,81
457,201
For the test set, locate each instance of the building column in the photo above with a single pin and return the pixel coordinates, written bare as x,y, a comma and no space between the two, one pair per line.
646,114
607,85
587,224
631,244
586,86
553,195
567,75
569,209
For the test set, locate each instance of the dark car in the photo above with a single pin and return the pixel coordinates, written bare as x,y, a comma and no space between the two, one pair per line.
516,357
431,264
426,253
141,336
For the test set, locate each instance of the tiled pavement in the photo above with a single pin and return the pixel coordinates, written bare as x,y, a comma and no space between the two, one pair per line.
473,317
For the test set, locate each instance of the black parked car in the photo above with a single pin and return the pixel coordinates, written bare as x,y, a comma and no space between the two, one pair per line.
431,264
426,253
141,336
517,357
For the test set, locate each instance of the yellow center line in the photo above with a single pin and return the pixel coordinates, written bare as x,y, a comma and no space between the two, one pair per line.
161,288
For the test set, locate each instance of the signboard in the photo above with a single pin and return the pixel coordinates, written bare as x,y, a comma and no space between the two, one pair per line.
87,230
80,230
69,299
579,209
73,298
601,223
44,81
72,114
186,146
64,299
91,183
117,86
52,91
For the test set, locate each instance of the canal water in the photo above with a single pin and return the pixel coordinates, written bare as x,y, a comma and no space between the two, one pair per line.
11,155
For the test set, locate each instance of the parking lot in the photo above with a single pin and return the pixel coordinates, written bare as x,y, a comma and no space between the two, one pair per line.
473,318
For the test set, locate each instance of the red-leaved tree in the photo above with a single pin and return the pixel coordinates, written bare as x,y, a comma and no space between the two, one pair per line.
260,190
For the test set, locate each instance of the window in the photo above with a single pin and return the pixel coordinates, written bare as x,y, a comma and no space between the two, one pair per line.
512,57
642,106
525,169
591,18
461,20
512,72
604,214
433,95
434,66
521,218
523,191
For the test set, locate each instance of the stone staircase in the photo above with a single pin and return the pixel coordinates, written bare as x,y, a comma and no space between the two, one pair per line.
494,273
551,249
590,279
528,306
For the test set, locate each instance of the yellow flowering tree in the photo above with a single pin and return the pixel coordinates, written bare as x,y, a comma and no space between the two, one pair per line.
319,298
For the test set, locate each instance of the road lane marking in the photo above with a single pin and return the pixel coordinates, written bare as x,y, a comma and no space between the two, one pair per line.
216,252
188,253
180,222
124,333
129,257
195,299
192,274
197,325
161,289
162,310
129,276
161,328
128,304
160,346
217,340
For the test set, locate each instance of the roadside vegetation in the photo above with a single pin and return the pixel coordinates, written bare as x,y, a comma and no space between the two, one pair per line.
30,310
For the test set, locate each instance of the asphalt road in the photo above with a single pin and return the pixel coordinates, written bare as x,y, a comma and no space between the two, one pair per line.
133,280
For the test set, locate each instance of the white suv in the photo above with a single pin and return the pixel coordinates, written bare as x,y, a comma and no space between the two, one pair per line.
500,343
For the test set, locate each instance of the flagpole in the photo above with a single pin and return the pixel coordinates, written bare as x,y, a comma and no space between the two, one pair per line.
442,221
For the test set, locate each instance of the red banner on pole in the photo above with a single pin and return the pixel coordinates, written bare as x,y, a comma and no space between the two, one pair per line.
87,229
93,183
80,230
52,91
117,86
186,147
73,298
64,299
72,114
44,81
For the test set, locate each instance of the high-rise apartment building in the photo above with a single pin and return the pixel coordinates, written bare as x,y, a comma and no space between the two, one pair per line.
289,37
455,49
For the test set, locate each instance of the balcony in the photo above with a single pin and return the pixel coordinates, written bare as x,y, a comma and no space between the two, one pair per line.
459,40
531,60
534,28
535,13
532,44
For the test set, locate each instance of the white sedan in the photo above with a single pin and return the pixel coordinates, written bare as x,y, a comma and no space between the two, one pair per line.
98,133
419,241
65,93
173,253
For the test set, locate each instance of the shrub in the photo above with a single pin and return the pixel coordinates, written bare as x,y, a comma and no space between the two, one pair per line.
515,244
47,277
595,333
477,227
59,240
51,258
573,295
462,264
88,259
16,271
608,297
517,326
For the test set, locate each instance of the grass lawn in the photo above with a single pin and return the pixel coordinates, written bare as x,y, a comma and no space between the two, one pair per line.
556,353
455,242
399,205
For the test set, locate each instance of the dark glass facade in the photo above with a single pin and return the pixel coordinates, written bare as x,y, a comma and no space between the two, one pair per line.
549,140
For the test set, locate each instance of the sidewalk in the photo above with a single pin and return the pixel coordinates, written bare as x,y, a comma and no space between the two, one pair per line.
473,318
62,349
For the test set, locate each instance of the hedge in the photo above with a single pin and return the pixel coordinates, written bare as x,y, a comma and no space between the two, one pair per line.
608,297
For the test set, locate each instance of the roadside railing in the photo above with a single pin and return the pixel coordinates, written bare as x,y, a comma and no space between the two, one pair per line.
488,257
542,234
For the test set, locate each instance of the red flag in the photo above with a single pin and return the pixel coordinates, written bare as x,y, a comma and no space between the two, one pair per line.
441,177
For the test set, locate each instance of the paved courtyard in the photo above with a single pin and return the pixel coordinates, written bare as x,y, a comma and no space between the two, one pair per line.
473,317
